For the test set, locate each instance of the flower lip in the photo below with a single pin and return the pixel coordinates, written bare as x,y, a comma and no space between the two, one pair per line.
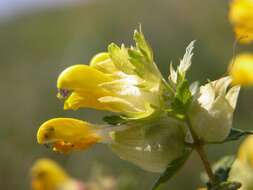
63,93
66,134
61,146
58,145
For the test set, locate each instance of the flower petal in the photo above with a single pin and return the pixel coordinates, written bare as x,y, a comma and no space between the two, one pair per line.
232,96
119,104
151,145
66,134
87,99
103,63
220,86
81,77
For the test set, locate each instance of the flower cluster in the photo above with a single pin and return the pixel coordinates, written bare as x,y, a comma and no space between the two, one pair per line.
125,81
150,129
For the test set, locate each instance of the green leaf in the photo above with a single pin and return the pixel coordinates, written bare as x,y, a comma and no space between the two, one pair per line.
182,98
138,61
120,58
173,167
114,119
143,45
236,134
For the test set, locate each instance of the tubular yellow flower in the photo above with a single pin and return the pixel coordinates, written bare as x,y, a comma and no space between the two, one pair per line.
211,114
151,145
67,134
241,69
241,17
48,175
242,169
81,77
123,80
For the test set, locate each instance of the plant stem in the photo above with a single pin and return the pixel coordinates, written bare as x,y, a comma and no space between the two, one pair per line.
200,150
199,147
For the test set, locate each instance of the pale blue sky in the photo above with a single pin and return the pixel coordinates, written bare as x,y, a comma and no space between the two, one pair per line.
14,7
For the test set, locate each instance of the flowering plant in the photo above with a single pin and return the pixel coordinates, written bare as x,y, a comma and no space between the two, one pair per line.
158,122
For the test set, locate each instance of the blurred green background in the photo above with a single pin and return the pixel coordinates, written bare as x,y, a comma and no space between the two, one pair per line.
38,44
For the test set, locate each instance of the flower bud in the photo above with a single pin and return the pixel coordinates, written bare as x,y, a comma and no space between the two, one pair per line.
211,114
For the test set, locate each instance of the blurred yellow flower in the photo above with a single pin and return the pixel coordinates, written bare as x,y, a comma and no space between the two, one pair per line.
241,17
241,69
242,169
152,144
48,175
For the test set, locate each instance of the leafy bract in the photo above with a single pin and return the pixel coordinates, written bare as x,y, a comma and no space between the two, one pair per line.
182,98
172,168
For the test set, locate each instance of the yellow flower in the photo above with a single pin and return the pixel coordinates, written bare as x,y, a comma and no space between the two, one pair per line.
127,81
242,169
123,80
66,134
48,175
151,144
211,114
241,69
241,17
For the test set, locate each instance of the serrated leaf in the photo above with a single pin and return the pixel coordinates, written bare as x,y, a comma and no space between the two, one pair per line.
173,167
143,45
136,59
114,119
236,134
182,98
120,58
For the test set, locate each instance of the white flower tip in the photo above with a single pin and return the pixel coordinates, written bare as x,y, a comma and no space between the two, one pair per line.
185,63
232,96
